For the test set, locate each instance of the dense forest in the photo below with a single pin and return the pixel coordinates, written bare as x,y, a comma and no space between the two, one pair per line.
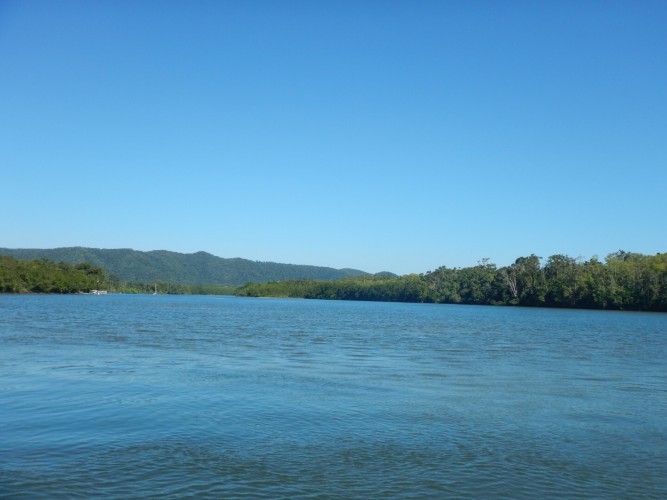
199,268
626,281
161,287
44,276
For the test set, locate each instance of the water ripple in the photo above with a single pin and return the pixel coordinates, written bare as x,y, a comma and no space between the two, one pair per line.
177,397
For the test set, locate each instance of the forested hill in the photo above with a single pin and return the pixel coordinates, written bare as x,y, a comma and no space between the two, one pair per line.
173,267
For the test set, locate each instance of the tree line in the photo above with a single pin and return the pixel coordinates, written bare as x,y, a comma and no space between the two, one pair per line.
44,276
116,285
624,281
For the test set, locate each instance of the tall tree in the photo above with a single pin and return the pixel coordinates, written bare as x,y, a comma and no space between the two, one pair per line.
560,274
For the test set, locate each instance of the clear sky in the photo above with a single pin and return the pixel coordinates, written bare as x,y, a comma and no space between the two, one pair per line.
377,135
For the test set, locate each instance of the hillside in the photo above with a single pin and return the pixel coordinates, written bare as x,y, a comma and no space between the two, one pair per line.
173,267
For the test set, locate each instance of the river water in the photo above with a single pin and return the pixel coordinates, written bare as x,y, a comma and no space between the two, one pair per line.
123,396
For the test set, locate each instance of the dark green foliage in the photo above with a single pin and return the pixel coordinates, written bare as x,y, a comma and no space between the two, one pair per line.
171,267
526,281
211,290
166,288
44,276
626,281
562,274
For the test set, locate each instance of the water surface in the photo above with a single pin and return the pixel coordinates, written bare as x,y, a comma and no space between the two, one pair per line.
175,396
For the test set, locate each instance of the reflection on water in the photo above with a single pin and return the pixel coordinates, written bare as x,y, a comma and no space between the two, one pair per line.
128,396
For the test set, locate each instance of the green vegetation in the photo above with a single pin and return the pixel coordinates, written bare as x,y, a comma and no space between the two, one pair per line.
624,281
117,286
44,276
627,281
199,268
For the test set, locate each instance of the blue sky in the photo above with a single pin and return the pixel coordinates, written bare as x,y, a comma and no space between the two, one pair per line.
377,135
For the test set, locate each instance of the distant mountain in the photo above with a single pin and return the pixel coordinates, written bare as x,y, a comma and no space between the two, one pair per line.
173,267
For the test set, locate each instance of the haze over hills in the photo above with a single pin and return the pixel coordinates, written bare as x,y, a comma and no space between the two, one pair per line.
174,267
